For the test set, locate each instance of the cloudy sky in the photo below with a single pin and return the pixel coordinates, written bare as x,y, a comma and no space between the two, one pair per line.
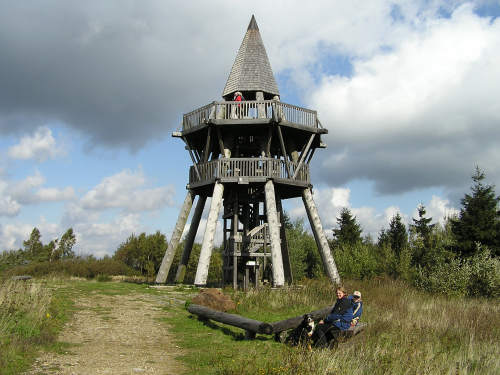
90,92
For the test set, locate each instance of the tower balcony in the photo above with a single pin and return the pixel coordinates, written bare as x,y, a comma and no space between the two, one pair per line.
252,112
249,170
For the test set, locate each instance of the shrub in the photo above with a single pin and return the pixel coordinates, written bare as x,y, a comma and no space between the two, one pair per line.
475,276
358,261
82,267
484,274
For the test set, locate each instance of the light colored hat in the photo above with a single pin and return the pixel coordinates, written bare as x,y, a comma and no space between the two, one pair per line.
357,293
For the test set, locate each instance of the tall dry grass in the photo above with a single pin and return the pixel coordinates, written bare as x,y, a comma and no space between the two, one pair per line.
24,322
409,332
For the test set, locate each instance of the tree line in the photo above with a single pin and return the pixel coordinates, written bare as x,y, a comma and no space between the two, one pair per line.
459,257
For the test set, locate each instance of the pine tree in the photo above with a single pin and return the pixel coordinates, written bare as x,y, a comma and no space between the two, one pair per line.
349,231
397,234
479,218
33,246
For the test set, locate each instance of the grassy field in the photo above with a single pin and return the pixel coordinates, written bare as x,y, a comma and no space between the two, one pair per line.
409,332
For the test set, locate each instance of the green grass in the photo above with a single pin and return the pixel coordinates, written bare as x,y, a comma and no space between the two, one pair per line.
31,315
409,332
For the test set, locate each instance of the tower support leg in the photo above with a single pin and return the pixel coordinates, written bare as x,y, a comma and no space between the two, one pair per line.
319,236
209,236
287,267
188,246
161,277
274,232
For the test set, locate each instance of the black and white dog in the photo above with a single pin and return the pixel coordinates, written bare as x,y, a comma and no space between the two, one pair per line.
303,333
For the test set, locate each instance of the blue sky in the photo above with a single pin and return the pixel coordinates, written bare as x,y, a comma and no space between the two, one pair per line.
91,92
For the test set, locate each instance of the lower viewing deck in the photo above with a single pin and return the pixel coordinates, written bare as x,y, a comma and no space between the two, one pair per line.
249,170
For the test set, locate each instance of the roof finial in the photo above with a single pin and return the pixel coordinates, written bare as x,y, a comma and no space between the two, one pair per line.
253,24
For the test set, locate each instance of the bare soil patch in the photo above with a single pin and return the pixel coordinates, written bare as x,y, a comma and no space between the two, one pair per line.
114,335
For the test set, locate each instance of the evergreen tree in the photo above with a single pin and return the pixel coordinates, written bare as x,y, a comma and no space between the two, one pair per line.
398,237
479,218
65,246
383,238
421,225
349,231
33,246
421,231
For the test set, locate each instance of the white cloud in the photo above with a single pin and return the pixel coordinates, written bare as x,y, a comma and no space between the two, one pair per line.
103,238
29,191
438,209
40,146
12,235
330,202
421,114
8,205
126,190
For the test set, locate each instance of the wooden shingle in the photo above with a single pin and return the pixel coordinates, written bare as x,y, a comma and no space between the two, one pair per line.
251,70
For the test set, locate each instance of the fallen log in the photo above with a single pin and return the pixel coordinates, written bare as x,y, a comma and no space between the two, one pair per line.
249,325
22,277
291,323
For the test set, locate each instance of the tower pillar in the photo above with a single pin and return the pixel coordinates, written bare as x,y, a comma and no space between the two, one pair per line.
209,236
188,246
319,236
274,232
161,277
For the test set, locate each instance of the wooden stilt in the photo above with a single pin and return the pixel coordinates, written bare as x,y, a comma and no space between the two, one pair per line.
209,237
161,277
274,231
188,246
319,236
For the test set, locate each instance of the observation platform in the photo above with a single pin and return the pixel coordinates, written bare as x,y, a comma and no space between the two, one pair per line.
252,113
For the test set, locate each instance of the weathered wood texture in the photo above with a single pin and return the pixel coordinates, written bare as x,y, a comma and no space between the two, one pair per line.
231,319
250,169
162,275
251,110
291,323
320,237
274,232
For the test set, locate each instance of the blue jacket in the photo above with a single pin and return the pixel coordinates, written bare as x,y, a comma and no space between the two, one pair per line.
341,314
357,310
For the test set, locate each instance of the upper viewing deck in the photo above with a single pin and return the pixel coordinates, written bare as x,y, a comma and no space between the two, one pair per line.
255,111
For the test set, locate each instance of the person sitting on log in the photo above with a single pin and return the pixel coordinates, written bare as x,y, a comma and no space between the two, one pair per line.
357,307
338,320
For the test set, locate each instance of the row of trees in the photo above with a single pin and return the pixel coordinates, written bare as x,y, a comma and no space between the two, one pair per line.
478,223
34,250
459,257
426,253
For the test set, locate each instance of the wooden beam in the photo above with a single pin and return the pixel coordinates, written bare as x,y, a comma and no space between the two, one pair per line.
207,145
311,155
291,323
221,143
303,154
269,140
231,319
161,277
192,158
283,150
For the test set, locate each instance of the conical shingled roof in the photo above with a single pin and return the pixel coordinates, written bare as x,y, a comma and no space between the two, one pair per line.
251,70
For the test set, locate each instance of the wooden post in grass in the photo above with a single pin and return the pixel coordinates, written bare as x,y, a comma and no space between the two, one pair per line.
251,326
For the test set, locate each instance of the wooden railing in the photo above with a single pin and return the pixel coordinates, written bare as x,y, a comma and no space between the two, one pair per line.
251,168
250,109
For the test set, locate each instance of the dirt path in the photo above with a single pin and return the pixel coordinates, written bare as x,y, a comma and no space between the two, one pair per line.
114,335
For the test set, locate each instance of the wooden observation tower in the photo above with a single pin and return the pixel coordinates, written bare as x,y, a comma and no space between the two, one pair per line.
248,156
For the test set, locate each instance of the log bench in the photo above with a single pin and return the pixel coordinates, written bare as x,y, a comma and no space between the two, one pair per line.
252,327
